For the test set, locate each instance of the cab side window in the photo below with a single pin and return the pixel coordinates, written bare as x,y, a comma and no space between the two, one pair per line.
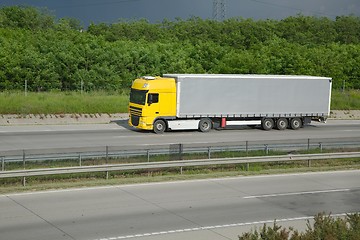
153,98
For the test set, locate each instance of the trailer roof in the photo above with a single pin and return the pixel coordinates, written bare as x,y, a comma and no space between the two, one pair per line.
243,76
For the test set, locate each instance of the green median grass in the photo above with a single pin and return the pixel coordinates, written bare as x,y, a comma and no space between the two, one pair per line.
347,100
63,102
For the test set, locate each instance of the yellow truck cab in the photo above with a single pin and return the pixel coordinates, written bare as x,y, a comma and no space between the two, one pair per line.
151,99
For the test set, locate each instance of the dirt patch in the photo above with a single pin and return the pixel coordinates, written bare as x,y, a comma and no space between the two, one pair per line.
59,119
345,114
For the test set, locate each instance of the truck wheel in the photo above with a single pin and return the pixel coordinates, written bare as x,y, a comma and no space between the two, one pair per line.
295,123
205,125
159,126
281,123
267,124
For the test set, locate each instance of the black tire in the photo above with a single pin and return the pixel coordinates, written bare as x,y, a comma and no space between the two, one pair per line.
267,124
282,123
295,123
159,126
205,125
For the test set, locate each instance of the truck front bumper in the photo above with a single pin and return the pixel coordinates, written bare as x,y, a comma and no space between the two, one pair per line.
140,122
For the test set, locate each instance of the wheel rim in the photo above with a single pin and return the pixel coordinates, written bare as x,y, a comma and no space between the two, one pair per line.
205,125
159,127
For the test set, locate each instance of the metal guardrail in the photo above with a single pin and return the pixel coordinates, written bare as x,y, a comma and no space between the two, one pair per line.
106,152
174,164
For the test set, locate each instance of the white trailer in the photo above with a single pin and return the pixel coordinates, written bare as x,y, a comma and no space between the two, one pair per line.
204,101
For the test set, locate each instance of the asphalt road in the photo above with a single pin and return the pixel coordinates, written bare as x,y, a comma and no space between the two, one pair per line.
118,134
201,209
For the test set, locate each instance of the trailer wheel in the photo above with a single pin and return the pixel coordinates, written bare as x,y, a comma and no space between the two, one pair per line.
159,126
205,125
281,123
267,124
295,123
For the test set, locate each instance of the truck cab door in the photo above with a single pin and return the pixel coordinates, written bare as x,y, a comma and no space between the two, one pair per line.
153,104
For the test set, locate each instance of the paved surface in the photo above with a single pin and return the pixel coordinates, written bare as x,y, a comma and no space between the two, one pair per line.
119,134
202,209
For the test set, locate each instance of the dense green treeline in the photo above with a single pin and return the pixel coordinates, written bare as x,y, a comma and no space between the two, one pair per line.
50,54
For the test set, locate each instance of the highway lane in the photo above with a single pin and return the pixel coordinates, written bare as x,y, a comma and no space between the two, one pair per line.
200,209
94,135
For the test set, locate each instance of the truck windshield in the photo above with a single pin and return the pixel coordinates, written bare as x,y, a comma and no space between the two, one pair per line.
138,96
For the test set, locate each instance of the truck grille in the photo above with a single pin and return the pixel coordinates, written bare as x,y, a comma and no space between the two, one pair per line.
135,111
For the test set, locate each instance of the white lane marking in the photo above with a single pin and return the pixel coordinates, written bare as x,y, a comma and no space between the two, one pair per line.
297,193
218,226
60,130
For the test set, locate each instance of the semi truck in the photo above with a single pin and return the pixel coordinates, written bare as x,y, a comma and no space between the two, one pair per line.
205,101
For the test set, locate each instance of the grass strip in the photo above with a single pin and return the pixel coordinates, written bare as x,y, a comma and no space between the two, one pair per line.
63,102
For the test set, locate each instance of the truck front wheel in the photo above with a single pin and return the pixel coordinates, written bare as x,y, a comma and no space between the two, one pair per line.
205,125
159,126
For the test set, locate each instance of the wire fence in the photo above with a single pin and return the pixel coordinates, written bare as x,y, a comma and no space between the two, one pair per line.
29,158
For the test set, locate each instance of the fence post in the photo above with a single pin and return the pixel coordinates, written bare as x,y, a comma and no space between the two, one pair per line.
181,150
209,152
309,163
266,149
320,146
2,164
107,154
80,159
247,166
24,181
24,157
247,147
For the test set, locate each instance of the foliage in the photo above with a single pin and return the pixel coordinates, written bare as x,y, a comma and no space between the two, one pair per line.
324,227
50,54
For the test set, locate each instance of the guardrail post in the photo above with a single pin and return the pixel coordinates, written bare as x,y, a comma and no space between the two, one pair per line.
107,175
247,166
309,163
308,144
24,181
181,170
24,157
148,155
2,164
80,159
209,152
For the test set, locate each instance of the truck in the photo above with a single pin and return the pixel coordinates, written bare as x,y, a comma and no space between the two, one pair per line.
206,101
